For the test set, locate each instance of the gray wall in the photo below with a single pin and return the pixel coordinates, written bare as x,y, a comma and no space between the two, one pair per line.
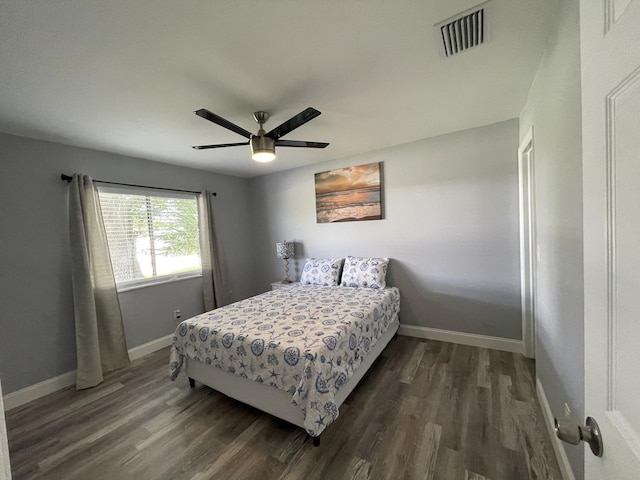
147,312
450,226
37,339
554,110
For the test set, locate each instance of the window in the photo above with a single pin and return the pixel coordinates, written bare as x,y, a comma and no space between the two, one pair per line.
153,237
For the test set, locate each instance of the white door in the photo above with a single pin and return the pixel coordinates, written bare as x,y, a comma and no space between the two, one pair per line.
5,470
610,59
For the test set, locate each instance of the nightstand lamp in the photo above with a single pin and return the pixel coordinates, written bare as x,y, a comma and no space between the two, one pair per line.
285,251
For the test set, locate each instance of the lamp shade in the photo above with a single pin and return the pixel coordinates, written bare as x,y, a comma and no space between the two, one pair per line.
284,249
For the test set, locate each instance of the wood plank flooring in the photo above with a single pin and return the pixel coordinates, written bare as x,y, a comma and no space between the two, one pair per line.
425,410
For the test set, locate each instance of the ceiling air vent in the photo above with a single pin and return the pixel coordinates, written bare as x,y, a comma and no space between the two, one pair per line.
463,31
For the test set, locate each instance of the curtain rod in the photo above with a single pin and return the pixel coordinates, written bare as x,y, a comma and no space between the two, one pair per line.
67,178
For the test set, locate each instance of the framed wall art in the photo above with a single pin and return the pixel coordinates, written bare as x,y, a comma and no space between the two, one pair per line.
349,194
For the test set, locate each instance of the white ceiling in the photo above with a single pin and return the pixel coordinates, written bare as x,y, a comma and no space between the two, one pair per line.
125,76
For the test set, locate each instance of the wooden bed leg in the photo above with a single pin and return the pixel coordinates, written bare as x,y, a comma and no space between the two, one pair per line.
192,382
316,441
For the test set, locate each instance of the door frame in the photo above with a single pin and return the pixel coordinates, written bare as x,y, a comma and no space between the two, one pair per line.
5,466
528,243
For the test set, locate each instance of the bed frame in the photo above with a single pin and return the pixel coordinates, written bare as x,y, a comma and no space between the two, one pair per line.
272,400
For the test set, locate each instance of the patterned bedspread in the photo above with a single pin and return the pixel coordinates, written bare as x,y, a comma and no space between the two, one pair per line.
306,340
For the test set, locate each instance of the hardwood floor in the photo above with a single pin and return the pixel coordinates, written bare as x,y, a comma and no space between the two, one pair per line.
426,409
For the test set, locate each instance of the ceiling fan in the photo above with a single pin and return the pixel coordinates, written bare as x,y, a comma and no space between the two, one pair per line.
263,145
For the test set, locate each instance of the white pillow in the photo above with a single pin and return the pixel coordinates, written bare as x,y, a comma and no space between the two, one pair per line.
365,272
321,271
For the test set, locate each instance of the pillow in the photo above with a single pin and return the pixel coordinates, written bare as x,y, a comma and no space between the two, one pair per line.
321,271
365,272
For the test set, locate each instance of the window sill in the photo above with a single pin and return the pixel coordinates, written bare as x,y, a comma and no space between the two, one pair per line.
157,281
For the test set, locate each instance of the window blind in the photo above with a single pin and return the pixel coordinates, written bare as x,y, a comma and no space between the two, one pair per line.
150,236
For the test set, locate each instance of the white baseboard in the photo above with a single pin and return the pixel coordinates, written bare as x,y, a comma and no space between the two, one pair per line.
150,347
33,392
561,455
471,339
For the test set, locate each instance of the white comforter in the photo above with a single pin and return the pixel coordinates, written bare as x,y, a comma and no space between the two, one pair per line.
305,340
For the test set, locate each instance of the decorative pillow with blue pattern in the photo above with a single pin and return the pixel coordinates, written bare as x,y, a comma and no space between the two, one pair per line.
364,272
321,271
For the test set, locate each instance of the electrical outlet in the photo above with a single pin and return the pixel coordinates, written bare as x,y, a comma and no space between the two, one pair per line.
567,410
177,315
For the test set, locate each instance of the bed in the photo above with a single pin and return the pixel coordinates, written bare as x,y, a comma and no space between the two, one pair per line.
295,353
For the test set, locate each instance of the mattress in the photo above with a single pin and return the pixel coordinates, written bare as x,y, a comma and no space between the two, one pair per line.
305,340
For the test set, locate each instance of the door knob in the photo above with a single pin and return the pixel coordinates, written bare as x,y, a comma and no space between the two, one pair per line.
569,431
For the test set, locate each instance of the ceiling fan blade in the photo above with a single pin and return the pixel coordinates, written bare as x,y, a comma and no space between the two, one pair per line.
300,143
212,117
293,123
219,145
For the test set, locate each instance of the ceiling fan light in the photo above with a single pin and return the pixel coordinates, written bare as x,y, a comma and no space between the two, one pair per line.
264,157
263,149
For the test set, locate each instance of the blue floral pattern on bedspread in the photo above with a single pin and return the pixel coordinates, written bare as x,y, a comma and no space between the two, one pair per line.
306,340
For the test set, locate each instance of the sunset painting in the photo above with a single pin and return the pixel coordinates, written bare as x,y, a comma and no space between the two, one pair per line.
349,194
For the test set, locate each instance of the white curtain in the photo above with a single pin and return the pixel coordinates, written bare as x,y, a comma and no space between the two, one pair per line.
211,267
100,338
